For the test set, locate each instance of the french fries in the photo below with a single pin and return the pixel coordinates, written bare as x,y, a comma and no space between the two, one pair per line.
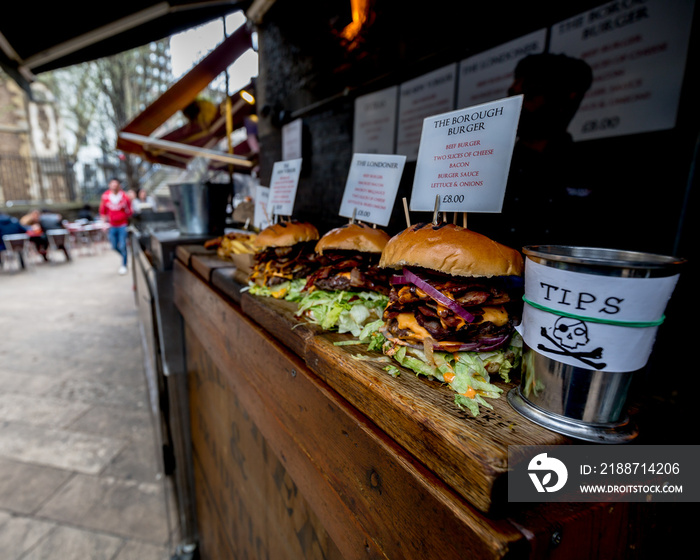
236,244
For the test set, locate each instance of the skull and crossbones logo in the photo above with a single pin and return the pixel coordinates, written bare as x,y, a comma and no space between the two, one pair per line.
569,334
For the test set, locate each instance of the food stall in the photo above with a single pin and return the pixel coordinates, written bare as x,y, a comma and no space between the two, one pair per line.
305,448
292,431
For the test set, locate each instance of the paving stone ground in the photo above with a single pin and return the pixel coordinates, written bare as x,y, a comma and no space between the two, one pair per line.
80,477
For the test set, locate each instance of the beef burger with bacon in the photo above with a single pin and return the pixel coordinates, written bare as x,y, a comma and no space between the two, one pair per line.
453,308
284,258
348,290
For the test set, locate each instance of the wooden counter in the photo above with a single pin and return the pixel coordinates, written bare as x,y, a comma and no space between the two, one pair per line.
301,450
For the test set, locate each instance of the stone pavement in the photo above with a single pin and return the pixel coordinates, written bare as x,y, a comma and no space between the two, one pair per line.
79,471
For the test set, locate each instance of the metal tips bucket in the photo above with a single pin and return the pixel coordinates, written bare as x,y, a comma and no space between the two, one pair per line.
589,322
200,208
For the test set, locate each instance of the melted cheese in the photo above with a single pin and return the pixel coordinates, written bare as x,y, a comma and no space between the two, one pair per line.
408,321
449,345
495,314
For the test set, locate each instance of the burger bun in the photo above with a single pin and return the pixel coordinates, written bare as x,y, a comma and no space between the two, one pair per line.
285,234
353,237
451,249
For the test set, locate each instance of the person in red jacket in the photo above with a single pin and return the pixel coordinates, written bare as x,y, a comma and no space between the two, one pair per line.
115,209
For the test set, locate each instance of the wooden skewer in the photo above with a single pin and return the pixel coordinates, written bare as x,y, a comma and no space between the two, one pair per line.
464,220
436,210
405,210
354,213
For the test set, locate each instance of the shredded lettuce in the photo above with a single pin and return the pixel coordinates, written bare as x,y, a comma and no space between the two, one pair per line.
346,312
467,373
289,290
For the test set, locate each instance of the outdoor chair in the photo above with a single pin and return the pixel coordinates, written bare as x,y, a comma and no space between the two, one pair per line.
59,241
98,237
16,253
81,241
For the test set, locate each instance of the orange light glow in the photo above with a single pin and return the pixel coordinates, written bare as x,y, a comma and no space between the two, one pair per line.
360,10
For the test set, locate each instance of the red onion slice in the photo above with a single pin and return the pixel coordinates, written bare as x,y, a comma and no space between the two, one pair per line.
483,344
438,296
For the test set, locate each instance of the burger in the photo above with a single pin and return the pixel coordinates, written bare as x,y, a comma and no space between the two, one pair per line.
454,304
348,291
283,260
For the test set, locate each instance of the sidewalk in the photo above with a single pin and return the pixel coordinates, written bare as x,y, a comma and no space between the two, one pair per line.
79,474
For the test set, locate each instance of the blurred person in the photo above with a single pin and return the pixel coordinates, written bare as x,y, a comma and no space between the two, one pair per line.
10,226
546,199
50,220
142,201
47,221
32,226
30,219
115,209
37,223
85,213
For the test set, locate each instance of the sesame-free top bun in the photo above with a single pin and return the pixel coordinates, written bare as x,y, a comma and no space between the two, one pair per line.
285,234
353,237
451,249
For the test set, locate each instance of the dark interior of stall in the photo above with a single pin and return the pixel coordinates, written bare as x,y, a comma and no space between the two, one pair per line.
641,183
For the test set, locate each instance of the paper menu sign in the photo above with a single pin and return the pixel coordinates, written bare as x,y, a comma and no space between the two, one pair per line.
292,140
283,187
464,158
261,217
374,127
371,187
419,98
637,52
488,75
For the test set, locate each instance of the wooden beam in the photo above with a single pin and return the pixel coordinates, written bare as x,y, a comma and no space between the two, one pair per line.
150,142
186,89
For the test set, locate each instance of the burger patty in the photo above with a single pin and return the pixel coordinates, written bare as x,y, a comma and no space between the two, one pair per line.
350,271
480,297
445,329
276,265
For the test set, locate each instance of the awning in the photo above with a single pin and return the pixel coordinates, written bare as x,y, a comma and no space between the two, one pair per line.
35,38
208,124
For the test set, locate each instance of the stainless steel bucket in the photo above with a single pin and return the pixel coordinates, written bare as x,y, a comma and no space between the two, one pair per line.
582,400
200,208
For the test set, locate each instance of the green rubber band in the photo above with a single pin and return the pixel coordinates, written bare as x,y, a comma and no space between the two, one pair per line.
634,324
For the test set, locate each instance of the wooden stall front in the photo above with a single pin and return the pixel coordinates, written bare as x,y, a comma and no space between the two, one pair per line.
306,449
